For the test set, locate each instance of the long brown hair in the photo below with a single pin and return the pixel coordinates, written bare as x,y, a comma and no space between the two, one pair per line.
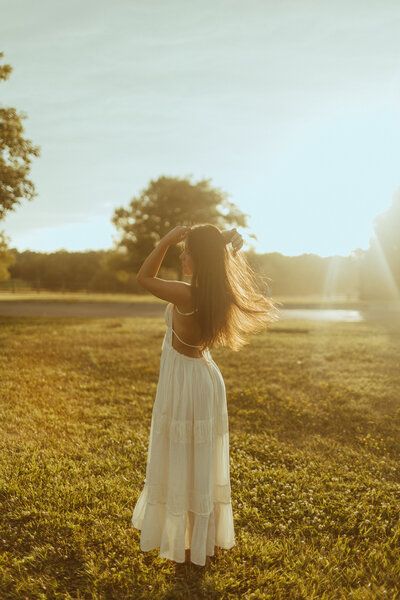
226,291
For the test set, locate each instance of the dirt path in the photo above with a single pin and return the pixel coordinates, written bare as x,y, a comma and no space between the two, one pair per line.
39,308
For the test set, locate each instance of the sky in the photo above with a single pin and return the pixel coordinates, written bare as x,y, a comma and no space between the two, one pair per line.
291,107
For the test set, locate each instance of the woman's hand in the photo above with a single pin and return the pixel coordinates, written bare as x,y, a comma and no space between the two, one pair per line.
176,235
232,236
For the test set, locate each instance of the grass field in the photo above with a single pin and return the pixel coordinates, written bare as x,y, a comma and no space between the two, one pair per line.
41,296
288,301
314,441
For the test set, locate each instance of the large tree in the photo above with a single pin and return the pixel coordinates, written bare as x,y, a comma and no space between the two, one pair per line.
166,202
381,267
16,153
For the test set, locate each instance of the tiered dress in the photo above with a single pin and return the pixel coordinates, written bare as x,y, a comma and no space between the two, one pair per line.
185,501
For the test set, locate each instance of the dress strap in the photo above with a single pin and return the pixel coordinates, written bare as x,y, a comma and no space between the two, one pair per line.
186,344
186,314
172,329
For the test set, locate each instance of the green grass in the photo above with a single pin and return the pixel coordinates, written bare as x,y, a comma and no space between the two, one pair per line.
44,296
314,442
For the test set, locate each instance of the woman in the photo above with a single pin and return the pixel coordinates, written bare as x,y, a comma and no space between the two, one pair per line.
185,504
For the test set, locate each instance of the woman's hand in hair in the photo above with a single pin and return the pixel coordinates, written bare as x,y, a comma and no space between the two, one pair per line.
176,235
232,236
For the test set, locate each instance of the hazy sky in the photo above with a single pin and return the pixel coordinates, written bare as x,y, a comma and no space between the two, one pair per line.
291,107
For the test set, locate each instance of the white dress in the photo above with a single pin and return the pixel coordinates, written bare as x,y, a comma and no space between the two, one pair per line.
185,501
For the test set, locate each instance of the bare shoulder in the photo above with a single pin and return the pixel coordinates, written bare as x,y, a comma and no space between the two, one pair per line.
176,292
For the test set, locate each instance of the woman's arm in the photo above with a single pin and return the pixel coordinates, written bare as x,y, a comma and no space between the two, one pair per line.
153,262
177,292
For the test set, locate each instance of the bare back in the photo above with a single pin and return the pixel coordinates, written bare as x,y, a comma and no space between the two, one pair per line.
186,328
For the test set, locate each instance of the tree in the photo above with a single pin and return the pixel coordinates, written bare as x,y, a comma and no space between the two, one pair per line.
165,203
16,154
6,258
381,267
387,227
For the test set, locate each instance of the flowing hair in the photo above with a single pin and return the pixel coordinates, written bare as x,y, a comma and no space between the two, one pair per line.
226,291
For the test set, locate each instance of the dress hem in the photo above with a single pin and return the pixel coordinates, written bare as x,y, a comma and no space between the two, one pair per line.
151,540
164,555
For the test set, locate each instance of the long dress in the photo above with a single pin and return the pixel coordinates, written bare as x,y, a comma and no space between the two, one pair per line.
185,501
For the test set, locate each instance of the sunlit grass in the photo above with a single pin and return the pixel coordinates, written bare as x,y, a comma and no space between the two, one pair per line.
76,297
315,300
314,441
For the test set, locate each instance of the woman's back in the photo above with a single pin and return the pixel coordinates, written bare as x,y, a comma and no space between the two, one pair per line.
186,332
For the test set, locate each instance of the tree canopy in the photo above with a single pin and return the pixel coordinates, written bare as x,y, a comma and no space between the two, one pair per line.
16,153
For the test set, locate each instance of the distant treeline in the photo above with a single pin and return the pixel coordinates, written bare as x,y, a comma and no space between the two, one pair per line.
308,274
108,271
92,271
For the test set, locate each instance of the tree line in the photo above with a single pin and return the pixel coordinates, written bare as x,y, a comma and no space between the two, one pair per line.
108,271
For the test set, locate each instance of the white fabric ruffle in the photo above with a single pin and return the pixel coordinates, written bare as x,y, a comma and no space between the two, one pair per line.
174,532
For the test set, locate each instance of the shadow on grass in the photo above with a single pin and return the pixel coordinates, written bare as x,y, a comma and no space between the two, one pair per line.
190,581
44,553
